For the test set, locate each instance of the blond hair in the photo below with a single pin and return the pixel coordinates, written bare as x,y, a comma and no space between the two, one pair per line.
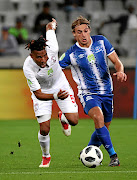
80,20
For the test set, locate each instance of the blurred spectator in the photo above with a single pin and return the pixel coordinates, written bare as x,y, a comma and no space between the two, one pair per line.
126,21
8,43
73,5
19,31
43,19
102,4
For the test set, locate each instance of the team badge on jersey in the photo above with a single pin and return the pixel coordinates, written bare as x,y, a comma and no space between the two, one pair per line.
50,72
91,58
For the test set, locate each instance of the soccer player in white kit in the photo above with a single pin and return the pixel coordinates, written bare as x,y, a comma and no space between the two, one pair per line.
47,82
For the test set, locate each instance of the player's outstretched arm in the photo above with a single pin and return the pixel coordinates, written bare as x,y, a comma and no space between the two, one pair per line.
120,75
51,37
62,94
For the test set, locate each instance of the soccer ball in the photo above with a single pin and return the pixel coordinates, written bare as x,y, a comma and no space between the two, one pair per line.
91,156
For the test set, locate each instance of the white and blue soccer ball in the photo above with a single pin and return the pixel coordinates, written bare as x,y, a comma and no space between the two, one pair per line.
91,156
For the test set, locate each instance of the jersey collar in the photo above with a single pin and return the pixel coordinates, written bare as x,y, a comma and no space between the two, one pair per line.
84,47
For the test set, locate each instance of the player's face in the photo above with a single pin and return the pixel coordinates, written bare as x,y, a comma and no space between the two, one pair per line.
40,57
82,35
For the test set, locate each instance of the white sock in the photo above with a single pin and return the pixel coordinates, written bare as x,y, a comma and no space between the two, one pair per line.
44,144
64,119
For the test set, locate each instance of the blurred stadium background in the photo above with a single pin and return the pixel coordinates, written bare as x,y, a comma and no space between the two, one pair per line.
15,98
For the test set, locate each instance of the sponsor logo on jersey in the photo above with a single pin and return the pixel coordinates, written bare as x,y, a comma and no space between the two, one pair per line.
81,56
50,72
98,49
53,59
91,58
88,98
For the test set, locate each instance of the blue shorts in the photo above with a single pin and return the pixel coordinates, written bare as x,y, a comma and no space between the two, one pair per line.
105,102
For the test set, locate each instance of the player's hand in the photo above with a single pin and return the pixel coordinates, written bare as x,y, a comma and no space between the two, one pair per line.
62,94
51,25
121,76
54,23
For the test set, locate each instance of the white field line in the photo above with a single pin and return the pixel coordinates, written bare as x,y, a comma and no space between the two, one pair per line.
66,172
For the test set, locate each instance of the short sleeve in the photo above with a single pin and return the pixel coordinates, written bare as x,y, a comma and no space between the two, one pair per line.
108,46
31,80
64,60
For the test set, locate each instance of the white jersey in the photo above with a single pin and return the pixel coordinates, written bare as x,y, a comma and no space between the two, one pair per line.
51,78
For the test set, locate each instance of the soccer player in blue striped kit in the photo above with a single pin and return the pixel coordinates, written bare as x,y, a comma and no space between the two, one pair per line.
89,67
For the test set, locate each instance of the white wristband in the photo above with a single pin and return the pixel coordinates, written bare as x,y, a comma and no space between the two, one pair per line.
54,25
55,96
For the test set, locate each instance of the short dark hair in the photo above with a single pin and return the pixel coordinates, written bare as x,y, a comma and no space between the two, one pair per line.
37,45
5,28
18,19
80,20
46,4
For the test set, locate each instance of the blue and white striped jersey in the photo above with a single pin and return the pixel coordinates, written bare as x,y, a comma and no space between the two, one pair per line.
89,66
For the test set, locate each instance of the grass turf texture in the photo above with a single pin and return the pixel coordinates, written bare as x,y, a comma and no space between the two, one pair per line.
20,153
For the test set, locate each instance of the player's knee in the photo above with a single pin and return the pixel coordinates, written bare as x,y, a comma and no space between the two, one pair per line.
44,130
97,117
74,120
98,120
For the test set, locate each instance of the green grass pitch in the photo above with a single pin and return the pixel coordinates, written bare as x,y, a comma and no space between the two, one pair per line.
20,153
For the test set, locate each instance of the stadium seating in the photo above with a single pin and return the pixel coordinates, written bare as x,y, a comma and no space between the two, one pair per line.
129,42
113,6
28,9
5,5
93,5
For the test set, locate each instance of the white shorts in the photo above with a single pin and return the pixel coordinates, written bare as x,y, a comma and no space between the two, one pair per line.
67,105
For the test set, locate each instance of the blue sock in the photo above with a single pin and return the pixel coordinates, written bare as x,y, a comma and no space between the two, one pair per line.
94,140
104,136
